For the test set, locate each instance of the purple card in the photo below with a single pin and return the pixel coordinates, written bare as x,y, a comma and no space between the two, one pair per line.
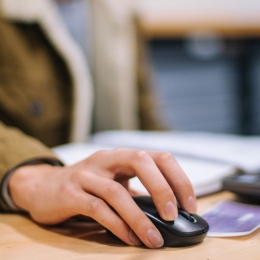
229,218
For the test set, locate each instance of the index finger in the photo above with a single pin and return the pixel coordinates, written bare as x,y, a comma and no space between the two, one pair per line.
177,179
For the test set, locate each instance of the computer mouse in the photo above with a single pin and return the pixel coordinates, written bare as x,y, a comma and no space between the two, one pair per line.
187,229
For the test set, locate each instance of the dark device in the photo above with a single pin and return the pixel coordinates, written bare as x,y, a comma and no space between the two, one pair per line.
187,229
244,184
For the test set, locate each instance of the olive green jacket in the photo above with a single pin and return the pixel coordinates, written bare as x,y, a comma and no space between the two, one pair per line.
45,86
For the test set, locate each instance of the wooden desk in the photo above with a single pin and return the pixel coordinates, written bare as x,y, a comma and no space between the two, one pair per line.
171,18
20,238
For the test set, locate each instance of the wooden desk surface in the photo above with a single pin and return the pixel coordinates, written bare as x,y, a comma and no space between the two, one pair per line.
171,18
20,238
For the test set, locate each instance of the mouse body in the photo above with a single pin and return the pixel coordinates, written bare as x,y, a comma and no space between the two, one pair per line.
187,229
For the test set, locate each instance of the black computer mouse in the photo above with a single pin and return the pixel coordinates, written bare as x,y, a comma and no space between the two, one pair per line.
187,229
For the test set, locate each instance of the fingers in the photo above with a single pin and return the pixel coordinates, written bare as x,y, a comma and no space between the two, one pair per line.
177,180
156,184
160,174
131,217
99,210
126,162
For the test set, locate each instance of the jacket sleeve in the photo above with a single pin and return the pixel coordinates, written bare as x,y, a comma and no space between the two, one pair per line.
16,149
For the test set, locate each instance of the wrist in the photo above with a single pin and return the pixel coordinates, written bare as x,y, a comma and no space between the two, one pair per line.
23,183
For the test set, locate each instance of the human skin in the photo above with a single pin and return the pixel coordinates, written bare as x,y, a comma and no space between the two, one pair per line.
97,187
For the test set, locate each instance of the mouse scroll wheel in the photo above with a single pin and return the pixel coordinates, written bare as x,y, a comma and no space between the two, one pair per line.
187,216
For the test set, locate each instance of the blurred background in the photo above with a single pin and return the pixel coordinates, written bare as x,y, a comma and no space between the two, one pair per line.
170,64
205,59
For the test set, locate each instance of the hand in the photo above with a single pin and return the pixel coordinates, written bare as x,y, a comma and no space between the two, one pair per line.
98,187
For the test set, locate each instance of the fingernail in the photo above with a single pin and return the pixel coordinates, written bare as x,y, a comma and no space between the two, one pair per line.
155,238
170,211
134,239
191,204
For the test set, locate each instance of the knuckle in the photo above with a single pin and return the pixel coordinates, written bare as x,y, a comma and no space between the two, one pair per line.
114,189
100,153
94,206
165,157
121,150
77,175
140,155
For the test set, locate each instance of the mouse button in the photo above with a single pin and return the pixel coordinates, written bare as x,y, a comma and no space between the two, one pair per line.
154,216
184,227
156,219
187,215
